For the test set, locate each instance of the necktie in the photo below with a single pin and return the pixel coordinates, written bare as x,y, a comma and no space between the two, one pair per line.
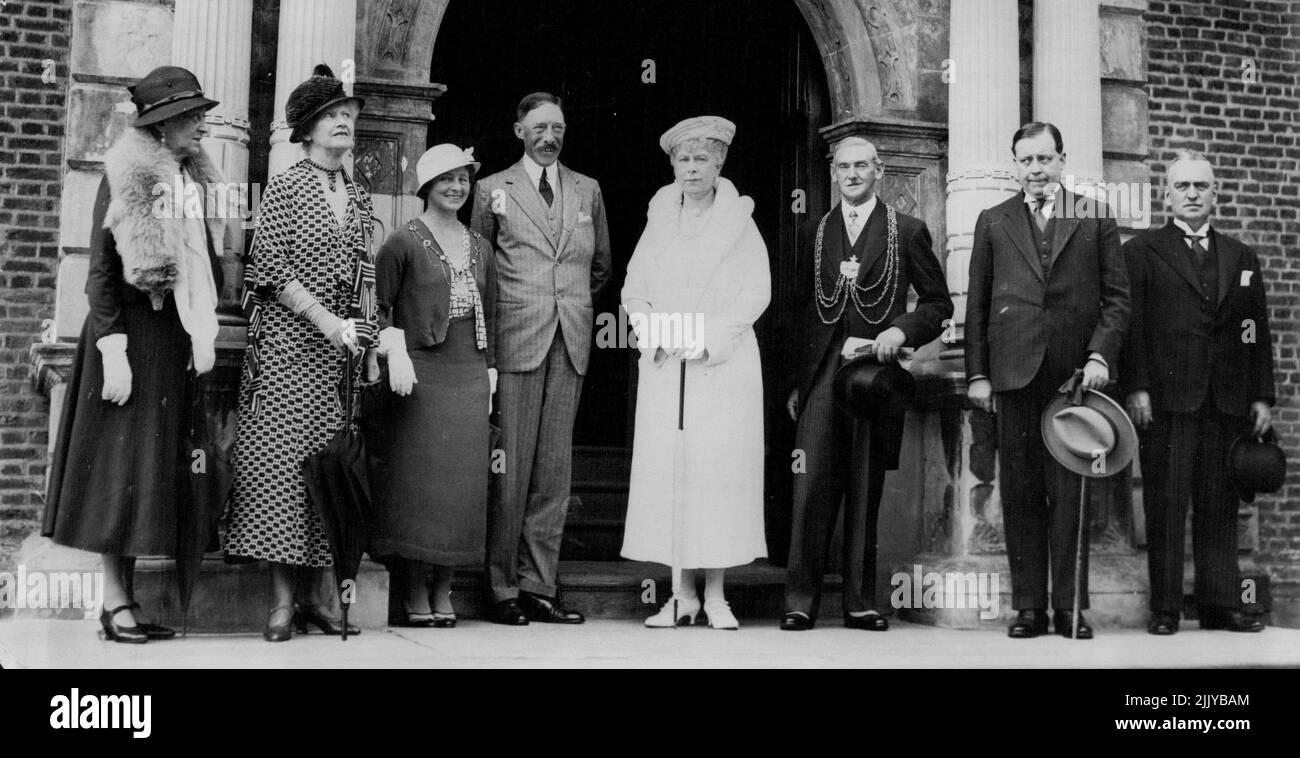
544,187
1194,244
1038,214
854,226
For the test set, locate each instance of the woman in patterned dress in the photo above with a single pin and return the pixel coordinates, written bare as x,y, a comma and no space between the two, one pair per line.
436,288
309,298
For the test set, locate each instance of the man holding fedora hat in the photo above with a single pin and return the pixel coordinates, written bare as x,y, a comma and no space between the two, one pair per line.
1048,295
1199,373
851,397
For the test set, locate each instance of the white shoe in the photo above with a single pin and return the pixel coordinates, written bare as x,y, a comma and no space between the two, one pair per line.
720,615
687,611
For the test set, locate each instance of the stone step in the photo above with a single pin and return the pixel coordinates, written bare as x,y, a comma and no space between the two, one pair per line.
235,598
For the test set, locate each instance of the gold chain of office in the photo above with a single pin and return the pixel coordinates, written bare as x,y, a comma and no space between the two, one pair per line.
847,289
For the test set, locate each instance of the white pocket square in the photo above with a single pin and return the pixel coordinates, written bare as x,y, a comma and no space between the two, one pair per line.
1245,278
583,218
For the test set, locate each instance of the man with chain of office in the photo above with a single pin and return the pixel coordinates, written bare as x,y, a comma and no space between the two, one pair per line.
852,328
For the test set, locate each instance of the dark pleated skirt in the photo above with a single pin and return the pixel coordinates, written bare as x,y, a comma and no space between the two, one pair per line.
119,474
430,463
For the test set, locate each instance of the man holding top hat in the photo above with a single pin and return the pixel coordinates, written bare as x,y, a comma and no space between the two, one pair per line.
1048,295
850,400
1199,374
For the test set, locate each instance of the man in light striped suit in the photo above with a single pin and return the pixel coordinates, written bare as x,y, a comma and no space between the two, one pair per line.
547,223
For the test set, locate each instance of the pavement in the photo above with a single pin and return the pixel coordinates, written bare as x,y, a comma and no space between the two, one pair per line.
610,643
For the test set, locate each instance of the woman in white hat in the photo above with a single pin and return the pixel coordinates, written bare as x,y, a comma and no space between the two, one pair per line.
436,288
701,264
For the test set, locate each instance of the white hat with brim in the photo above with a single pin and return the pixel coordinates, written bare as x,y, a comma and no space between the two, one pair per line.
440,159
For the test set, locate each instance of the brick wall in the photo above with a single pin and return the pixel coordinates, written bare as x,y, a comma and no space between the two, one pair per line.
32,32
1202,98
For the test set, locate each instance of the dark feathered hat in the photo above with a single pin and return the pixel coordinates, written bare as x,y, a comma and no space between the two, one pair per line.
311,97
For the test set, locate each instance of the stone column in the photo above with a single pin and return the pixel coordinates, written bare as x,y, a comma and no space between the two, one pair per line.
1067,83
311,32
213,39
960,512
983,114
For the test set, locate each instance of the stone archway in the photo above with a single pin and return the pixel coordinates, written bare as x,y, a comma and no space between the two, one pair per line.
396,38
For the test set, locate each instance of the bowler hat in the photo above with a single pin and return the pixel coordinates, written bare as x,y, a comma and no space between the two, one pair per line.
1257,465
1089,433
313,96
440,159
165,92
867,389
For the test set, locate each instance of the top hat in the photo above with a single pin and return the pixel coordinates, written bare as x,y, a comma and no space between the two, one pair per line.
440,159
165,92
1089,433
1257,465
308,99
867,389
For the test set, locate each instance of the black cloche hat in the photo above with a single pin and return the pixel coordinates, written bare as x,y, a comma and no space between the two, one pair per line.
165,92
311,97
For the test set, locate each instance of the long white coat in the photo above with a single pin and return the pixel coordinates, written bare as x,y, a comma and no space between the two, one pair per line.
721,274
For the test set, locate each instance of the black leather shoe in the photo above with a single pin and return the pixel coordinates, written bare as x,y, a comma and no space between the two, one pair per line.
114,632
872,622
312,615
796,622
1029,623
1063,621
153,631
1231,620
547,611
1163,624
509,613
279,632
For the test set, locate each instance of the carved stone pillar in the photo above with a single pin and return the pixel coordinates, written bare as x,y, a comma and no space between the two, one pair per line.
393,76
213,39
311,32
1067,83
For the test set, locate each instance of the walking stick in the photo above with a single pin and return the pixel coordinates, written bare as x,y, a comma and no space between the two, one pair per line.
1078,555
679,461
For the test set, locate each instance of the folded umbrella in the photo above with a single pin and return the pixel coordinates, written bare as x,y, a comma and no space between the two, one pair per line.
207,476
339,488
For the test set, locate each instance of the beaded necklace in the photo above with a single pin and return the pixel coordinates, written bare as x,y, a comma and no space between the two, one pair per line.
329,172
847,289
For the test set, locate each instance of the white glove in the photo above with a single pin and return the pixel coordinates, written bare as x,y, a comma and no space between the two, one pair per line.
694,352
401,372
117,370
492,381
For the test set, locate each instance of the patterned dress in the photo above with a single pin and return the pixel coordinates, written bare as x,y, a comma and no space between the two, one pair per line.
289,400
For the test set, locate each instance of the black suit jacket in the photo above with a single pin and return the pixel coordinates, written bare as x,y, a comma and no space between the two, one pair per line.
1178,349
919,270
1019,319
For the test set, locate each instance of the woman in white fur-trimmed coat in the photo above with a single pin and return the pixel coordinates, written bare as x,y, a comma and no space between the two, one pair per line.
119,475
700,261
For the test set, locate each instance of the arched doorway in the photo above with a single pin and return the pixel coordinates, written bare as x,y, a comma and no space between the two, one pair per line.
627,71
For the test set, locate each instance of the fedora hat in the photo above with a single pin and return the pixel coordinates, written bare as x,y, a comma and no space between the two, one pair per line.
1076,425
867,389
1257,465
165,92
308,99
440,159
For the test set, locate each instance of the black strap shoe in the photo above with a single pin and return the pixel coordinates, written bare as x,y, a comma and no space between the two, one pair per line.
114,632
1028,624
547,611
1064,621
509,613
1229,619
872,622
794,621
153,631
1163,624
310,615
